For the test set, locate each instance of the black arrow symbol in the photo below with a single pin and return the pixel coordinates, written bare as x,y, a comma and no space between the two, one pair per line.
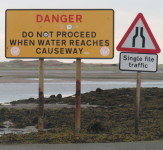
136,34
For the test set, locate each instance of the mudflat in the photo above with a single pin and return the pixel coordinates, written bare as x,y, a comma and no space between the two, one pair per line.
23,76
49,106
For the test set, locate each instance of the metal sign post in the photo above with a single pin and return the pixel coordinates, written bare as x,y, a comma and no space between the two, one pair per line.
138,62
41,95
141,44
59,33
137,102
78,94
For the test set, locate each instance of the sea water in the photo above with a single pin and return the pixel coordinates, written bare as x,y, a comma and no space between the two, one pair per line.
17,91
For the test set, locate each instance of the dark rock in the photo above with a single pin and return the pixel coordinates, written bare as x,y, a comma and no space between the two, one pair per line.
31,99
2,110
1,126
98,90
95,126
59,96
20,125
52,96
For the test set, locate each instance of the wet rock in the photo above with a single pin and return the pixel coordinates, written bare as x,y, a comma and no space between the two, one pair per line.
59,96
20,125
52,96
31,99
98,90
2,126
112,104
96,126
115,120
7,123
2,110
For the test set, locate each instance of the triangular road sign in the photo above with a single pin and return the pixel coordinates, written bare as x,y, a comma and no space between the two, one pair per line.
139,38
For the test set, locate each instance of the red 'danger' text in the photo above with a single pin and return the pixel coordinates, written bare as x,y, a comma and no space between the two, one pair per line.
58,18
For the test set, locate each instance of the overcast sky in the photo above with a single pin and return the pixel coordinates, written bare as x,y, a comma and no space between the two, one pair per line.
125,13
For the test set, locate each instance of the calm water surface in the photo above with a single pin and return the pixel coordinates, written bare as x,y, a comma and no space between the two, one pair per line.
16,91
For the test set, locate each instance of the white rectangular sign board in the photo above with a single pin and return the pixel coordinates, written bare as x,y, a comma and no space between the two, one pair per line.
138,62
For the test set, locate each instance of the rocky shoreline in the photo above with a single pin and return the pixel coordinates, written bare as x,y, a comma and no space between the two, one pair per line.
108,117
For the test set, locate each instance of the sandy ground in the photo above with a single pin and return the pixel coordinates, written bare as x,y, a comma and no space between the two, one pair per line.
27,80
27,76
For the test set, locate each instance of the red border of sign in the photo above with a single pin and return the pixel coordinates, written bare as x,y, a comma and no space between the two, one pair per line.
120,48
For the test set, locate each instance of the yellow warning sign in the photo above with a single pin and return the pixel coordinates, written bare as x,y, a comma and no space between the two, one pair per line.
59,33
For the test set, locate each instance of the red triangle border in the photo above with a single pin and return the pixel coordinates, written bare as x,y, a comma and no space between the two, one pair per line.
120,48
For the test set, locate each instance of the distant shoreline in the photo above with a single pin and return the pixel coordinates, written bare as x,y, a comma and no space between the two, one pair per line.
22,76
